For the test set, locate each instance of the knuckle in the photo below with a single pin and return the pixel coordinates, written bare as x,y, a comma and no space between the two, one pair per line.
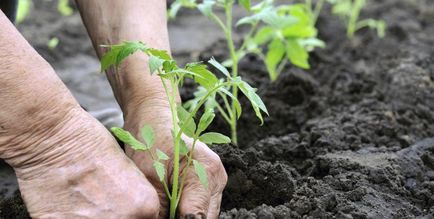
215,168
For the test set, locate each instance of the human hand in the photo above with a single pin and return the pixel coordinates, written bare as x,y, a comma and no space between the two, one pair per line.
195,199
82,173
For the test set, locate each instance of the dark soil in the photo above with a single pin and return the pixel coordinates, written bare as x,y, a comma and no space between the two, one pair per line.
350,138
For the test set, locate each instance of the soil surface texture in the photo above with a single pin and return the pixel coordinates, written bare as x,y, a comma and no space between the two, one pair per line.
353,137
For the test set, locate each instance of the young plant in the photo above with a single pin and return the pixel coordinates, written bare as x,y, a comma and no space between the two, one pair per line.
349,11
184,122
278,35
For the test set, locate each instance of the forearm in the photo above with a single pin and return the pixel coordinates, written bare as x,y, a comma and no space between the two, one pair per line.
113,21
34,101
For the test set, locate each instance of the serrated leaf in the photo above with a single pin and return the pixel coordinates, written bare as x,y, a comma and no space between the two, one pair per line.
214,138
204,77
160,169
148,135
161,155
219,66
118,53
162,54
190,125
128,139
275,54
183,149
254,99
205,121
155,63
297,54
201,173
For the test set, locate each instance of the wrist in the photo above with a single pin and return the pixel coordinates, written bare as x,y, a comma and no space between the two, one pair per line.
136,89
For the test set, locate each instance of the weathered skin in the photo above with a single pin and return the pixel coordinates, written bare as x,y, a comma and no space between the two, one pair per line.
67,164
142,98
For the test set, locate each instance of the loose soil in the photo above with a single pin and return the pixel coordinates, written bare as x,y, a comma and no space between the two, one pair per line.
349,138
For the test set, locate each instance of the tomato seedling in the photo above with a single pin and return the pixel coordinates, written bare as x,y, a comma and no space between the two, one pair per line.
183,122
349,11
277,35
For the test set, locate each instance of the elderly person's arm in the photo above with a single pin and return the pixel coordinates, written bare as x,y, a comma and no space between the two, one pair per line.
67,164
142,98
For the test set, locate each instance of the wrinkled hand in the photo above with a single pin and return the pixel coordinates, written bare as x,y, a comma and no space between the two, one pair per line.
84,175
195,199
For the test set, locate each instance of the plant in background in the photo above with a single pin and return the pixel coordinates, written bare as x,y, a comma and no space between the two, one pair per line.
277,34
349,11
184,122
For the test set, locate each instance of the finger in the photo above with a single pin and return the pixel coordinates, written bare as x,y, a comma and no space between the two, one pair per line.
143,164
214,206
195,198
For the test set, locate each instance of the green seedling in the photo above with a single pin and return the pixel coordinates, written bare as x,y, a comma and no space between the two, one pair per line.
278,35
349,11
184,122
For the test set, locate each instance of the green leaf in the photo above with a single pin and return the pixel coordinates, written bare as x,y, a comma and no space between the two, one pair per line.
254,99
205,121
183,149
160,169
275,54
53,43
155,63
148,135
190,125
263,35
214,138
128,139
118,53
304,25
162,54
23,10
64,8
201,173
219,66
206,8
297,54
235,101
207,79
161,155
174,8
278,21
246,4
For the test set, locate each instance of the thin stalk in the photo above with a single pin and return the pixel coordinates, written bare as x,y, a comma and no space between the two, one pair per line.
223,113
185,171
172,104
249,35
201,102
355,12
317,11
234,58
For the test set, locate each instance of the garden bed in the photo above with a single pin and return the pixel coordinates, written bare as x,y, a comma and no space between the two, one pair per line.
349,138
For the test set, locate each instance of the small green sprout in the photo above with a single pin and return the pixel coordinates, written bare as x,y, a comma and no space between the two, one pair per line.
349,11
184,122
278,35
